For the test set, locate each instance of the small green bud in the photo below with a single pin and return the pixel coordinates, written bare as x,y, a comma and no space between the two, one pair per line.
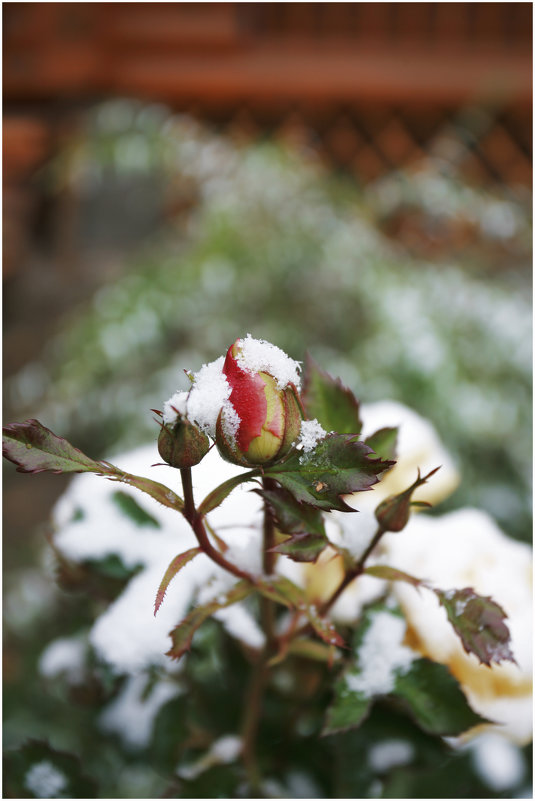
182,444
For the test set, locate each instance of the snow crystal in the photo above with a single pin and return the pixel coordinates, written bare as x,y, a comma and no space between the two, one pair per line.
65,655
389,754
311,434
44,780
381,656
131,716
257,355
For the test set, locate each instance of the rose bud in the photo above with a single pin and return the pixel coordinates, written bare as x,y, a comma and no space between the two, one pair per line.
182,444
262,418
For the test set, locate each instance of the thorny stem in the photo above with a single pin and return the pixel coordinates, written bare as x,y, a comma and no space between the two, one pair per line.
196,522
355,571
268,564
253,702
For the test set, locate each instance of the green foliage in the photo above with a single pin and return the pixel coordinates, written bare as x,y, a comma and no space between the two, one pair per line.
131,508
304,524
434,699
383,442
33,448
329,402
338,465
182,634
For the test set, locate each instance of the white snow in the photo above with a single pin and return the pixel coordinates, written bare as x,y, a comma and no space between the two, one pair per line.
497,761
44,780
127,635
257,355
381,656
210,392
311,433
130,715
223,751
177,404
202,404
65,655
390,754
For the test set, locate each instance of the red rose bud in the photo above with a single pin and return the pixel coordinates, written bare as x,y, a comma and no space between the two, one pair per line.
263,422
393,513
182,444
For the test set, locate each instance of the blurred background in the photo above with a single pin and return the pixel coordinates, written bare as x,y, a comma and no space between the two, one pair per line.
349,178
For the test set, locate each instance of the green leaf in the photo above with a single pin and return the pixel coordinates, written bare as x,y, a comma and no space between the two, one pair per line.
434,699
479,622
329,402
302,547
34,448
176,565
131,508
302,522
281,590
393,574
339,465
383,442
348,710
218,495
182,635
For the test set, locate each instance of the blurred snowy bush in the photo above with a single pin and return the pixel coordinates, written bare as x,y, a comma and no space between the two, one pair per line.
256,239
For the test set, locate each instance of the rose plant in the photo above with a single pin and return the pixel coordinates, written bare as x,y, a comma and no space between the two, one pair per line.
307,461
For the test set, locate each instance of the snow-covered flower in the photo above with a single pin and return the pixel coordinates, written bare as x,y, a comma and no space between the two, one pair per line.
247,402
262,418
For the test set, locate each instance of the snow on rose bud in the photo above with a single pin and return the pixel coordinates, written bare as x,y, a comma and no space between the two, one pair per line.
264,418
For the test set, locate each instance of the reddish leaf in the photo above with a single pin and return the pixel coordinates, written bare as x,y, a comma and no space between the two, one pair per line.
176,565
478,621
34,448
182,635
302,522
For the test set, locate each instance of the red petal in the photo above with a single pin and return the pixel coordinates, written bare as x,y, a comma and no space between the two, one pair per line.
248,399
